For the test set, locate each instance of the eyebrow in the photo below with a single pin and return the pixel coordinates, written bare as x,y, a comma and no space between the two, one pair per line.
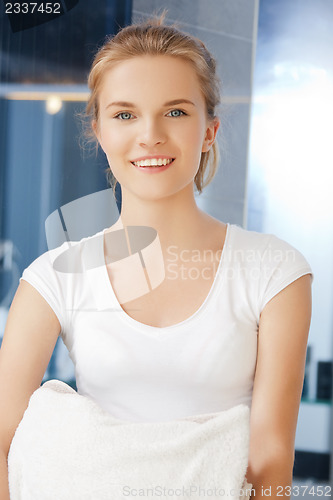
126,104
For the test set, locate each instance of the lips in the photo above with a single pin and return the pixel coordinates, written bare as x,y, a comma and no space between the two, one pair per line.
148,166
152,162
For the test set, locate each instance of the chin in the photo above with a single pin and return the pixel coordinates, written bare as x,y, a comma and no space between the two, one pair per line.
156,191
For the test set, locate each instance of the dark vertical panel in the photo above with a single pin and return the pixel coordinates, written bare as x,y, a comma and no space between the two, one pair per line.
21,186
23,178
3,156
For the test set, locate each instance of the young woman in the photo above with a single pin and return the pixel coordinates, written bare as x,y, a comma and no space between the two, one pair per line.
229,321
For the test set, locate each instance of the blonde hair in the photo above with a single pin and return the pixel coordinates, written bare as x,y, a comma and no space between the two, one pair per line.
152,37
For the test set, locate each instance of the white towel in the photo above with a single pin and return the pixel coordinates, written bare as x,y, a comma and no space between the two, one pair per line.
68,448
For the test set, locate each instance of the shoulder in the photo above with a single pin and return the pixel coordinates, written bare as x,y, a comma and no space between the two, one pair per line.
69,257
57,271
244,238
59,274
265,247
266,263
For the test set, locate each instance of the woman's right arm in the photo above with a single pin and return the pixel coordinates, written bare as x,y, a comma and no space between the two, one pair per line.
30,336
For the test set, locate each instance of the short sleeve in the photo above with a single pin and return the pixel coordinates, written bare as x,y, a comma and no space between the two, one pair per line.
47,281
281,264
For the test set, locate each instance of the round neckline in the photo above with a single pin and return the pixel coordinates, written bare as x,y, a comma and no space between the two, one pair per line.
109,292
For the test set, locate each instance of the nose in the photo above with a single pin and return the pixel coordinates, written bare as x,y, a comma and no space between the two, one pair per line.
151,133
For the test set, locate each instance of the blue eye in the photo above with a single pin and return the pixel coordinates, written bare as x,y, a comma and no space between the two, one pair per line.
176,112
125,115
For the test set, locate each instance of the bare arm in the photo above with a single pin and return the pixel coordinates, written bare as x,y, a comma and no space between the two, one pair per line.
30,336
282,339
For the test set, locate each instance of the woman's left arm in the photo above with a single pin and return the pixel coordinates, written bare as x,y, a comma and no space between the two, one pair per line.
282,340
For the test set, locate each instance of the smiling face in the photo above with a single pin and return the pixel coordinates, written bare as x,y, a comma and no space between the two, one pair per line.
153,125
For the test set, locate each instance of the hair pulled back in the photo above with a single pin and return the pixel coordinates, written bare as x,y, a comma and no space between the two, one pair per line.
152,37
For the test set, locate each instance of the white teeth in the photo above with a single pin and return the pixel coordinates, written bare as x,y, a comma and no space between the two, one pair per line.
153,162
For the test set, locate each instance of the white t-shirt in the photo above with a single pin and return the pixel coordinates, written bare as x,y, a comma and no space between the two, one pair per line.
203,364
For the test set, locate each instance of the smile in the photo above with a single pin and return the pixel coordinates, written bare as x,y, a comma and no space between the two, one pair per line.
153,162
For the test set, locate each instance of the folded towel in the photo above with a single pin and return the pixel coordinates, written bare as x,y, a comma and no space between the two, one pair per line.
68,448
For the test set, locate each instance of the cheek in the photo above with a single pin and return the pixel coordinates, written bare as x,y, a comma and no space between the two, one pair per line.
112,137
194,135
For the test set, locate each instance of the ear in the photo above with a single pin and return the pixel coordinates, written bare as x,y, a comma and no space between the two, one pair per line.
211,131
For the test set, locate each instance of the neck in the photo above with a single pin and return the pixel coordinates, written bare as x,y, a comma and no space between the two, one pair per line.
177,218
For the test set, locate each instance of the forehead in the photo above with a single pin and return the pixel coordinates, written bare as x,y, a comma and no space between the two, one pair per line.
152,79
